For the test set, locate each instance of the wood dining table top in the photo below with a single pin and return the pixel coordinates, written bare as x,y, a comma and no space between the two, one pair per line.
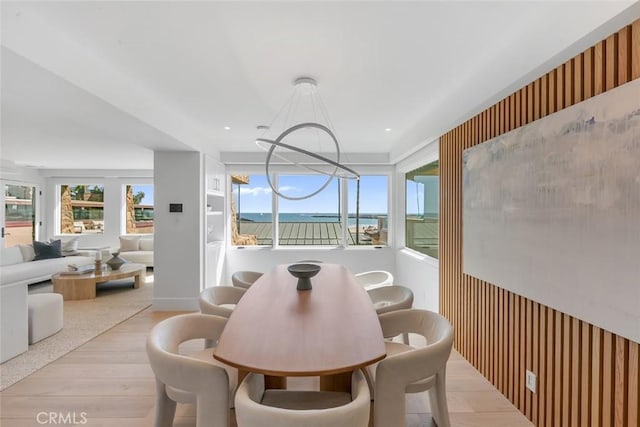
280,331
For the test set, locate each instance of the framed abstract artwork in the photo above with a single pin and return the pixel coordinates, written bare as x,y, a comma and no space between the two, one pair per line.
551,211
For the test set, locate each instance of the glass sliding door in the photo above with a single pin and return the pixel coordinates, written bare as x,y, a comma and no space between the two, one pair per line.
19,214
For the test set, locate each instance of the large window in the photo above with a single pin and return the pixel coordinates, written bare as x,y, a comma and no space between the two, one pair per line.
315,221
139,208
422,210
251,211
368,210
81,209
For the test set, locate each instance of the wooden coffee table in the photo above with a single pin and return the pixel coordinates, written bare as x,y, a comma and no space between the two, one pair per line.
83,286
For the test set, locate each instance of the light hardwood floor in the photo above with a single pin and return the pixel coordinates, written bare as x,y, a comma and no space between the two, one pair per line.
110,381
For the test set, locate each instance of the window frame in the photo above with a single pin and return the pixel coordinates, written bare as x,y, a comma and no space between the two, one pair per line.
277,170
427,153
250,171
37,208
123,205
58,203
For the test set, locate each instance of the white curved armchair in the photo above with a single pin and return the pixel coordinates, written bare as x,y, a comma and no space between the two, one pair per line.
412,370
244,279
220,300
197,378
392,298
374,279
257,407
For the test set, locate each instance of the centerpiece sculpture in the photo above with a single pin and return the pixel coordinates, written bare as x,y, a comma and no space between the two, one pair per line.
304,273
116,262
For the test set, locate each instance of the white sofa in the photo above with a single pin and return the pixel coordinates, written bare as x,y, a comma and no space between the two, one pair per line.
137,249
17,271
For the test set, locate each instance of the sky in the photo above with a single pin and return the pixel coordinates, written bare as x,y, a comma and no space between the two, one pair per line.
147,189
414,198
256,196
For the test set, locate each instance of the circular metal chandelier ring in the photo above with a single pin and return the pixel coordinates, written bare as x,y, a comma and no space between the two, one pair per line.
278,143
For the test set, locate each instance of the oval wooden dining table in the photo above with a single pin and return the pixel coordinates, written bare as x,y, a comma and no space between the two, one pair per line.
328,331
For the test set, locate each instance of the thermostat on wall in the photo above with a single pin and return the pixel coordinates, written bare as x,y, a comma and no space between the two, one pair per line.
175,207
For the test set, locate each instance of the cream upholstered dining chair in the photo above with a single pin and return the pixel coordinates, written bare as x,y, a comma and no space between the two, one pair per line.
392,298
257,407
409,369
220,300
374,279
244,279
196,378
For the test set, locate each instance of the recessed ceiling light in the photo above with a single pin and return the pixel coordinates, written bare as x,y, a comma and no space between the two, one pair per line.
227,128
387,130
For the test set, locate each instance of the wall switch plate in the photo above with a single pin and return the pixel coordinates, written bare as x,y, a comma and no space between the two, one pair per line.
530,381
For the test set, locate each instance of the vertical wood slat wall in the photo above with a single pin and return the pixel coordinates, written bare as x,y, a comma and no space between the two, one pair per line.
586,376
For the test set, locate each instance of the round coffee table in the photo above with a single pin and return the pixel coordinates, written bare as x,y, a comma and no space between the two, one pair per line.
83,286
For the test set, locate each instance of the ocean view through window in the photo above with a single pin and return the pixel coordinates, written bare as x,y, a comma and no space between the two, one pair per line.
251,204
314,221
368,210
317,221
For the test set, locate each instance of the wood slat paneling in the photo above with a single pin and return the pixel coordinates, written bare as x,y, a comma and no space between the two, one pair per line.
586,376
621,387
633,390
633,50
531,358
608,377
611,62
578,78
576,371
599,69
550,367
587,73
565,385
585,388
624,50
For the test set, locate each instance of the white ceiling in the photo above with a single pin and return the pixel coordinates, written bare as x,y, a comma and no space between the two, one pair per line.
85,82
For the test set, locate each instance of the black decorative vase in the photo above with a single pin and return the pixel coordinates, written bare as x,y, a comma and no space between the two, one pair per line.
304,273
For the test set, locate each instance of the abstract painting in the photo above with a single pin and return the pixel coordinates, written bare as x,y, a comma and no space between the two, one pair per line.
551,211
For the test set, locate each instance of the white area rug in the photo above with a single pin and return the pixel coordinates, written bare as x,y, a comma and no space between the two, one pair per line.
83,320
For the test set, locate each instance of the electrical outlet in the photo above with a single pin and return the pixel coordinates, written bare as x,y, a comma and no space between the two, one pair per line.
530,381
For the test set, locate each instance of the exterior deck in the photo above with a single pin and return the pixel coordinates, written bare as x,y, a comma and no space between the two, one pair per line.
300,233
423,233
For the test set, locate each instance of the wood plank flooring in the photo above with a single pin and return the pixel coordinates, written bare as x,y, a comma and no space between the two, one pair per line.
110,381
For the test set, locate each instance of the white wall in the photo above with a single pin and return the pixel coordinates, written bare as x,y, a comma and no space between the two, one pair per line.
179,237
419,273
11,172
264,259
413,269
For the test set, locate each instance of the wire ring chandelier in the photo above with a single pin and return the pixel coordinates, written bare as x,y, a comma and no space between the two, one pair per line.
271,145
